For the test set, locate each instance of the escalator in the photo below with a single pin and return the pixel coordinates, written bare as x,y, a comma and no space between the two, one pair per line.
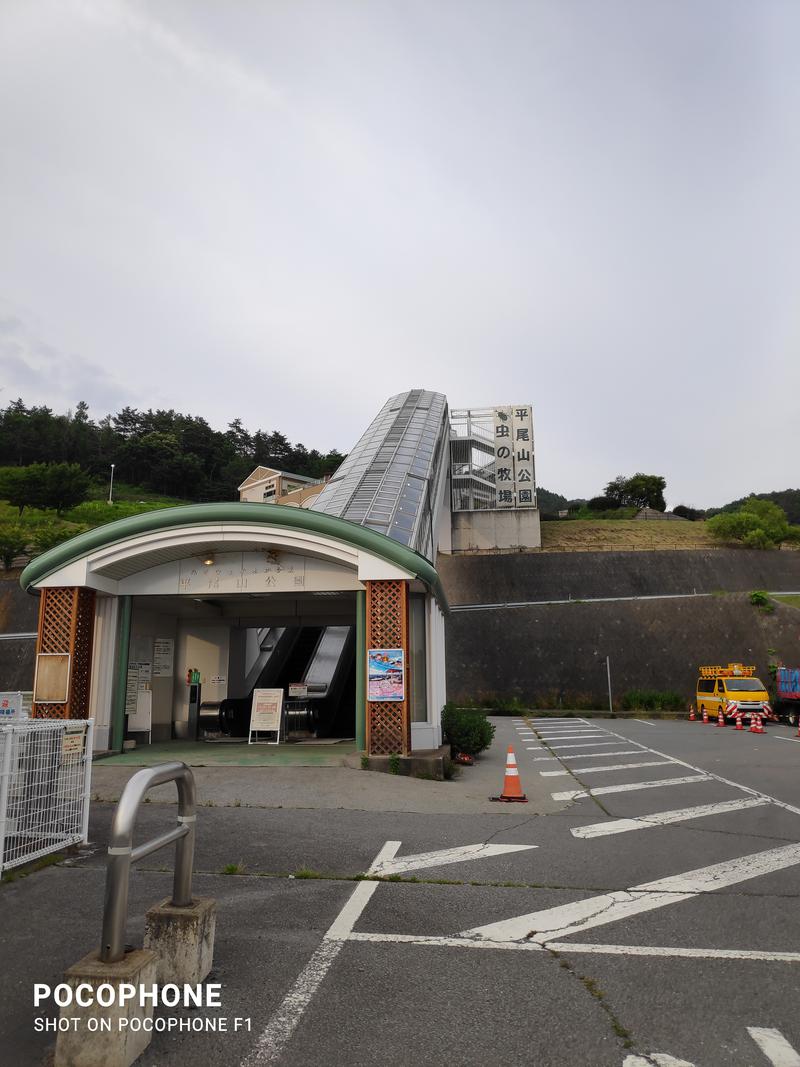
322,659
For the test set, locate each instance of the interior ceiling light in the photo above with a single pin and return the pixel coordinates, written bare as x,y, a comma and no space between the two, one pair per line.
208,560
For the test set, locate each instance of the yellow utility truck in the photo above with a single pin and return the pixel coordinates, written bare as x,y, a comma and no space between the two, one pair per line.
735,689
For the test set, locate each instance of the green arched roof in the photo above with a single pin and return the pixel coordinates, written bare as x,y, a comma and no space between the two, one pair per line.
234,511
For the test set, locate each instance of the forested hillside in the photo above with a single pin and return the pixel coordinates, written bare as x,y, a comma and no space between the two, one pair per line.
160,451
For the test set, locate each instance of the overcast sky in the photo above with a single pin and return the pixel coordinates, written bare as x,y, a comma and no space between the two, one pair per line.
287,211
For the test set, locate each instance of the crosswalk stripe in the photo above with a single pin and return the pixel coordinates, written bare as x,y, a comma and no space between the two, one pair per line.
664,818
607,767
577,794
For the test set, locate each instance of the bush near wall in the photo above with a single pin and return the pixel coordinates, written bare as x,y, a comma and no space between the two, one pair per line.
652,700
466,729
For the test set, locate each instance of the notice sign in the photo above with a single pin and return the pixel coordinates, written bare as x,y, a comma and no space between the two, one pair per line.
10,706
386,674
163,656
265,712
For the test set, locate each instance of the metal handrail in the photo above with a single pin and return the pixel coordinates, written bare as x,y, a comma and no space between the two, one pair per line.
121,852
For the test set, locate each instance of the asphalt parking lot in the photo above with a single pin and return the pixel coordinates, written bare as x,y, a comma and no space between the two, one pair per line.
648,917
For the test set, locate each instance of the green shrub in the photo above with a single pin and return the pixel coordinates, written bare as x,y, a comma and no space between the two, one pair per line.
466,730
47,535
760,599
13,541
652,700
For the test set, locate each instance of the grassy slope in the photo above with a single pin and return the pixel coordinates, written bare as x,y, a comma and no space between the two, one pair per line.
586,535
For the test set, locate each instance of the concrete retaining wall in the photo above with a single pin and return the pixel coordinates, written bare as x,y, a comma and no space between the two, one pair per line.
561,575
546,654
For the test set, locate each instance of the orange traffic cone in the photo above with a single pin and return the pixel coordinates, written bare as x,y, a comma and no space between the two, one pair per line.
692,716
798,727
705,716
512,789
721,718
739,723
756,725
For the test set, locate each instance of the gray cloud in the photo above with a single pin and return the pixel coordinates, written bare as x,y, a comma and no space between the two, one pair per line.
286,212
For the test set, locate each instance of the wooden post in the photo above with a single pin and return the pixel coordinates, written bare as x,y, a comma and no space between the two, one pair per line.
389,722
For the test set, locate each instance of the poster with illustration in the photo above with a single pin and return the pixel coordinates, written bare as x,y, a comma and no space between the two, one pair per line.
386,674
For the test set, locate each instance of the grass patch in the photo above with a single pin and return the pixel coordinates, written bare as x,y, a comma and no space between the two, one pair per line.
234,868
17,873
598,535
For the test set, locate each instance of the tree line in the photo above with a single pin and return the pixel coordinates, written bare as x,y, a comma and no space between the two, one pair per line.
160,451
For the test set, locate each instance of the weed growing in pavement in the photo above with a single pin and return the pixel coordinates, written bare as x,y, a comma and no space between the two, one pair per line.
237,803
307,872
394,763
234,868
365,763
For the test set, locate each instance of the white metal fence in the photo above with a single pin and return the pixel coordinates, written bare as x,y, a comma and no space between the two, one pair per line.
45,778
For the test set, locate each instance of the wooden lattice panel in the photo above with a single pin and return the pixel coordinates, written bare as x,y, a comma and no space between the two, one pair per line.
388,724
82,655
66,626
55,620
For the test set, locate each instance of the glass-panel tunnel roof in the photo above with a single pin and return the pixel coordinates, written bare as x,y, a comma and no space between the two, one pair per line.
390,481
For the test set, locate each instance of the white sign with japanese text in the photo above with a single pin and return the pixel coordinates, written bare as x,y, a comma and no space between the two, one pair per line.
513,442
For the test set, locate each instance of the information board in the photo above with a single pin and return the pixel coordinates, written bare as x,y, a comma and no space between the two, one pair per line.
266,713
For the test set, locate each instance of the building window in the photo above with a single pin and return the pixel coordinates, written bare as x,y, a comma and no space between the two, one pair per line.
419,666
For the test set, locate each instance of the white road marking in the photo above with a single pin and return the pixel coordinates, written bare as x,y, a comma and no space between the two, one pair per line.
644,722
630,787
605,755
607,767
570,737
597,744
568,946
663,818
443,856
795,739
565,718
554,923
660,1059
716,777
774,1046
273,1039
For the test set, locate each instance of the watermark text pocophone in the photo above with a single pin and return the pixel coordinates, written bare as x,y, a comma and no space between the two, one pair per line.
125,995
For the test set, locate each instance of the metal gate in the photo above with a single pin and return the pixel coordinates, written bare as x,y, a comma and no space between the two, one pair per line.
45,777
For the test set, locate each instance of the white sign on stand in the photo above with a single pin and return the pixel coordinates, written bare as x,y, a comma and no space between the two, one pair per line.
141,721
266,715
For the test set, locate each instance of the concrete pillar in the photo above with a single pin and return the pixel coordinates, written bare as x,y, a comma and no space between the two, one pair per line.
183,939
120,1037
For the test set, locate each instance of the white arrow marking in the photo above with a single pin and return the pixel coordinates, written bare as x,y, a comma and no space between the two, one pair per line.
662,818
774,1046
577,794
273,1040
555,923
668,952
443,856
607,767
